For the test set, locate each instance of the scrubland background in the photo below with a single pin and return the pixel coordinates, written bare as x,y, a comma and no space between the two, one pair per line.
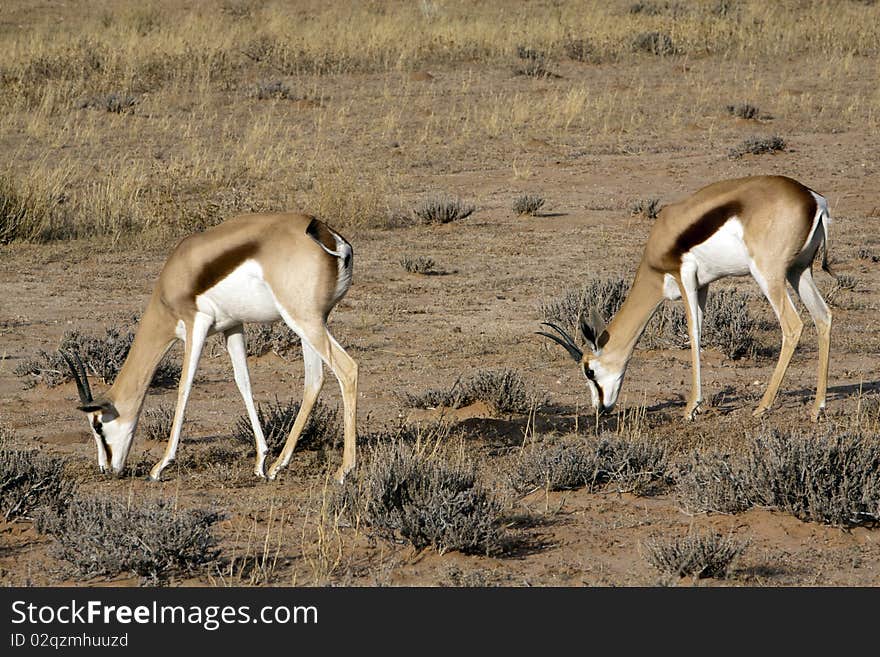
127,125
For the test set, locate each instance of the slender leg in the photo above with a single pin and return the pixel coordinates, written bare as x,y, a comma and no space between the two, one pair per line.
195,341
803,282
702,297
791,325
690,295
346,370
314,379
235,347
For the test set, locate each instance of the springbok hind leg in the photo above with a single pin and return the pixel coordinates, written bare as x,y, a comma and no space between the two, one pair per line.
792,326
803,282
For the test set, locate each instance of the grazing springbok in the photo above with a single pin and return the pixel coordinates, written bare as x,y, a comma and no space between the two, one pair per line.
768,226
252,268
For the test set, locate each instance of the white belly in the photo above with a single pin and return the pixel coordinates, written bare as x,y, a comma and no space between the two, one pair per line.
723,254
243,296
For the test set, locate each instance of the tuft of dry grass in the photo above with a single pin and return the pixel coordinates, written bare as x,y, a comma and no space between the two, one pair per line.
646,207
417,264
758,146
504,391
528,204
443,210
31,481
424,495
634,464
698,555
152,539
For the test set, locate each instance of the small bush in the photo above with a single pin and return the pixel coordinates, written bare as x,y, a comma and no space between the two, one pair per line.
758,146
277,418
276,338
528,204
27,214
605,294
534,68
115,103
700,555
157,422
30,480
833,479
108,537
637,466
428,498
417,264
744,111
502,390
715,482
581,50
865,253
646,207
103,356
565,465
654,43
443,210
728,325
275,90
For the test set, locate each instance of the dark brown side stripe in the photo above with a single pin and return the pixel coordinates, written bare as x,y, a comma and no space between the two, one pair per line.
706,226
219,268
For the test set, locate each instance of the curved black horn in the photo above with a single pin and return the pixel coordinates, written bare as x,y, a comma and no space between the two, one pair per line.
566,341
80,376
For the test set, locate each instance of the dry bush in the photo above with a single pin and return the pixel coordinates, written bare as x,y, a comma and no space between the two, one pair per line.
758,146
156,422
728,325
115,103
30,481
715,482
503,390
152,539
28,213
634,464
646,207
699,555
276,338
744,111
275,90
528,204
443,210
865,253
425,497
654,43
581,50
832,479
417,264
103,356
276,419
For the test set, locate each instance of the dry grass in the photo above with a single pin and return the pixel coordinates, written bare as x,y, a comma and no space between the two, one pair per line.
697,555
182,88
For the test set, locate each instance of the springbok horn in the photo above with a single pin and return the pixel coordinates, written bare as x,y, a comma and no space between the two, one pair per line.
566,341
79,375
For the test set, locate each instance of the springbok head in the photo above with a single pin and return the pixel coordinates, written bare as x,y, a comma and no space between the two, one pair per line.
112,435
603,381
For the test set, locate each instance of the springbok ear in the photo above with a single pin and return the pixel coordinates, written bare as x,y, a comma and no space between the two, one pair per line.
593,330
107,409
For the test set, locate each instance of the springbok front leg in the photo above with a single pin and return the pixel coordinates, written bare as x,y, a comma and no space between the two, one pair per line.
196,332
235,347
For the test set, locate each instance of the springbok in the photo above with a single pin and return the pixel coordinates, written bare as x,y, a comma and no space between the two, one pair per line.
252,268
768,226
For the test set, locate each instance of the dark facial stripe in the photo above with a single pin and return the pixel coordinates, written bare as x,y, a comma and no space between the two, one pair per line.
704,227
219,268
